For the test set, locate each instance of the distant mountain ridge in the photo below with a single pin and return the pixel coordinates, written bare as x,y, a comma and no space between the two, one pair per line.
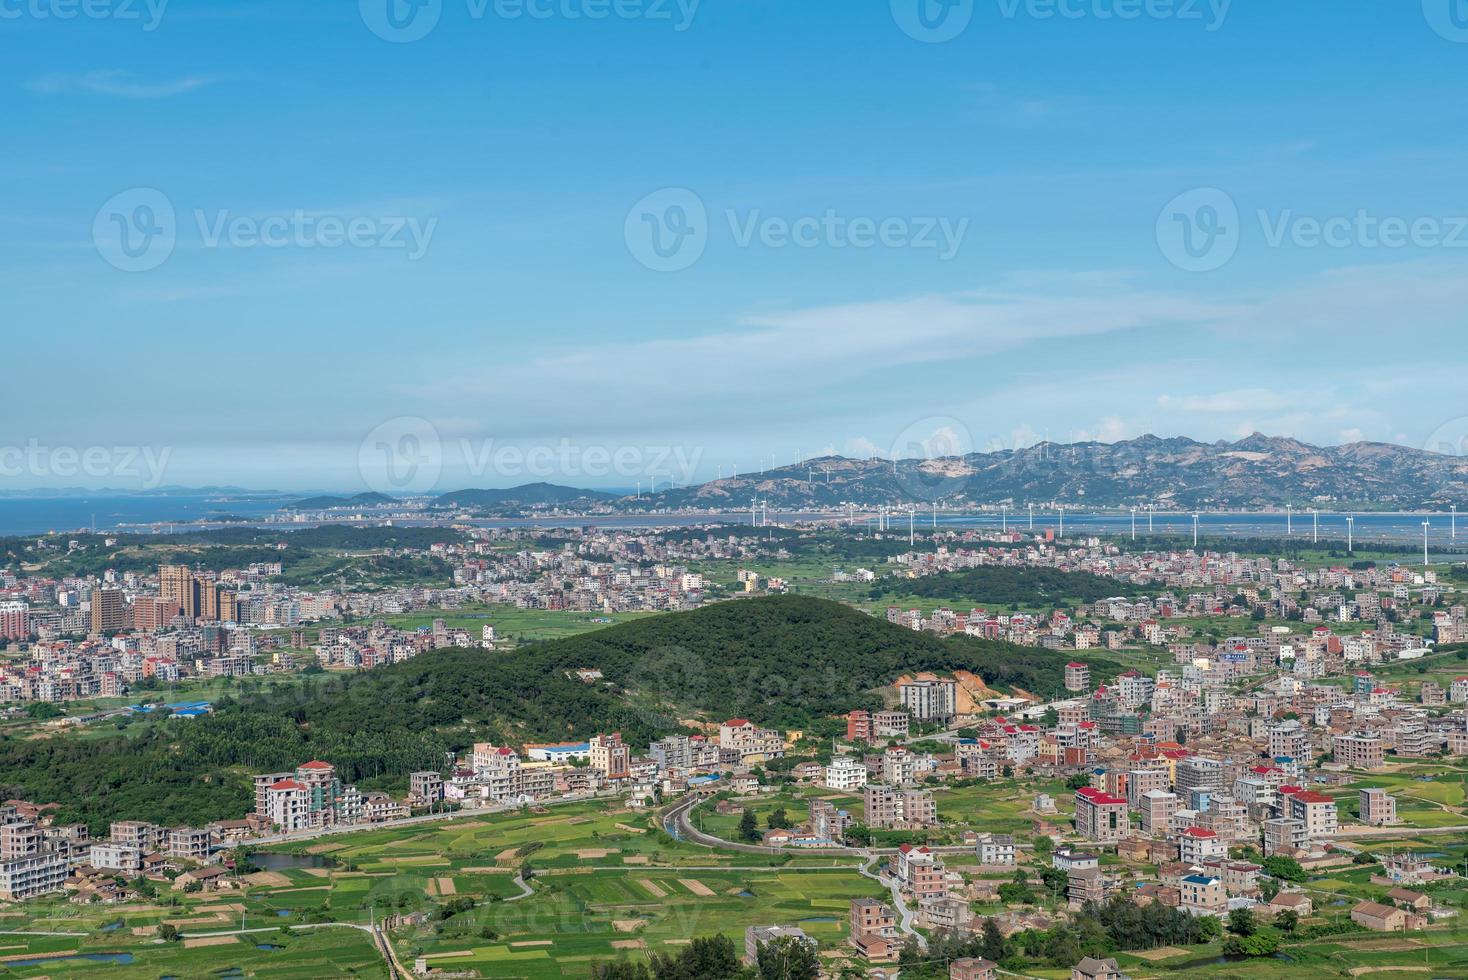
334,502
1255,472
528,494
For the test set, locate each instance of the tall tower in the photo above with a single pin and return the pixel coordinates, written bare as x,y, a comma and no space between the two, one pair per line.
178,587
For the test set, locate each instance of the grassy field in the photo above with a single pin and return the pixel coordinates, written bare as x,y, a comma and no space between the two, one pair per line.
608,882
304,954
512,622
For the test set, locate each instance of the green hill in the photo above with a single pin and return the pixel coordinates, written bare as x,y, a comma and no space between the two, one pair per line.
780,661
784,660
1003,586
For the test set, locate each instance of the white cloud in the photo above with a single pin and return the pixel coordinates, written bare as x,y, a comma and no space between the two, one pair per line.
1240,400
115,83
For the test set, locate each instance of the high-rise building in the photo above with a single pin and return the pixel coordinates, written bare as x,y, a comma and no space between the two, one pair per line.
15,620
109,611
178,586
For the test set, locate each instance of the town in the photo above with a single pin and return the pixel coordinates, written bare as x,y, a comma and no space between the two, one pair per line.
1215,776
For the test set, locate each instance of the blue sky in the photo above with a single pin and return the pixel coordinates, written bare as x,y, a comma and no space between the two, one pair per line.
1038,180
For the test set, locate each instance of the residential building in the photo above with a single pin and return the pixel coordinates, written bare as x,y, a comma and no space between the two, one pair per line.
757,936
1100,816
930,700
893,808
846,773
1203,893
1378,807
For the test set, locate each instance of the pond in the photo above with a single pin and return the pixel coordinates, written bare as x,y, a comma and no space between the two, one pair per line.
122,958
1226,959
270,861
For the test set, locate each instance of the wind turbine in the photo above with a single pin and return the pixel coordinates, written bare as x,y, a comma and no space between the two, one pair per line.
1062,521
1195,530
1151,510
1134,523
1350,534
1425,526
1455,522
1315,519
1004,518
1289,520
911,519
1032,517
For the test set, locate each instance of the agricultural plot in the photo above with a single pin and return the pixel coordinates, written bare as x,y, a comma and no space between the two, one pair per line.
120,953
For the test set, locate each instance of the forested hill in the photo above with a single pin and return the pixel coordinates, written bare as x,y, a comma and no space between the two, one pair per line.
1000,587
784,660
781,661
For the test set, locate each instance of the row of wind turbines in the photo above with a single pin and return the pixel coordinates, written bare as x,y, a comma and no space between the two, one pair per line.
759,516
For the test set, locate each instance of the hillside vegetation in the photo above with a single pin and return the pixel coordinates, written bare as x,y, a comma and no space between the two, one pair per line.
780,661
1004,586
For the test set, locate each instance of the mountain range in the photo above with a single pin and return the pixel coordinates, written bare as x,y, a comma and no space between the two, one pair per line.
1256,472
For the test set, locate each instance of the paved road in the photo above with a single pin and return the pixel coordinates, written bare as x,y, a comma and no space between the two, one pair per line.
677,814
676,822
254,842
904,914
395,969
525,890
1401,830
